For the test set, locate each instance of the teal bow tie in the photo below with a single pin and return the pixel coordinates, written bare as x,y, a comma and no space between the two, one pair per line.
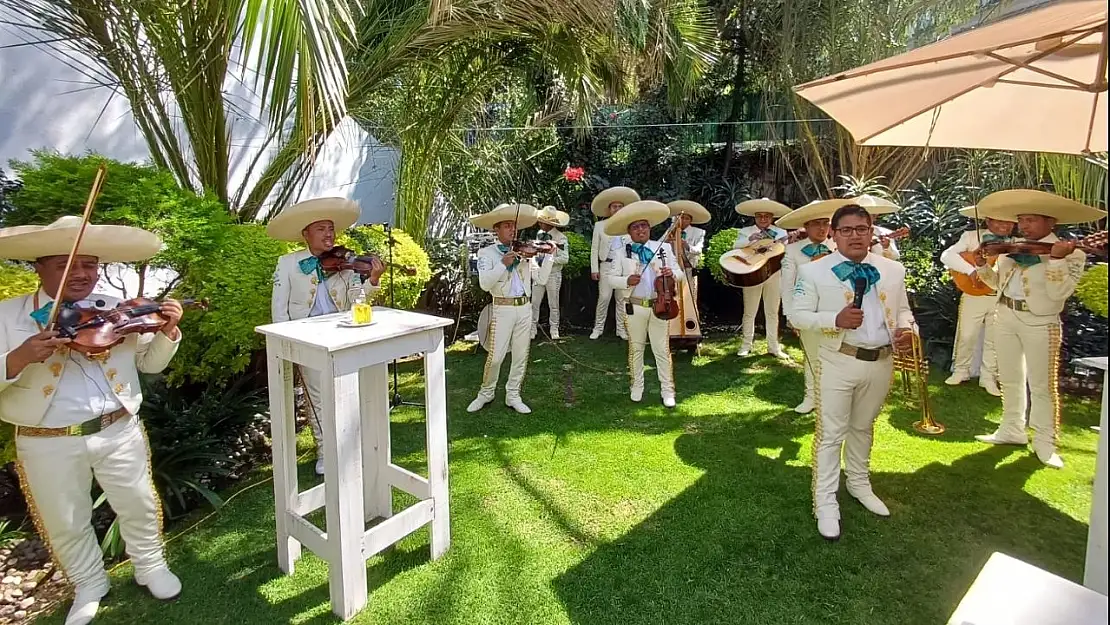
311,264
1025,261
815,249
849,271
991,237
644,252
42,315
761,234
504,249
683,235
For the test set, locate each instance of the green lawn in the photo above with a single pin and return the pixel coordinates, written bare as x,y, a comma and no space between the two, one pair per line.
606,512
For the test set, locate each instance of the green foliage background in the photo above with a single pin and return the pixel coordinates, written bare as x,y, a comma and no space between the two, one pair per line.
719,244
579,262
15,280
1091,290
406,253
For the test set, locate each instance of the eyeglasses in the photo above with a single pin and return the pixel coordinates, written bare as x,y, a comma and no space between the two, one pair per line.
848,231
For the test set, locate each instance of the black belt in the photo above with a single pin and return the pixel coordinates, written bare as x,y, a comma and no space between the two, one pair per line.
865,354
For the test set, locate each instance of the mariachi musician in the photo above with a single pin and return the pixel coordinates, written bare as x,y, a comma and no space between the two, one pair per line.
1032,287
765,212
814,218
635,271
547,271
693,238
604,251
76,416
302,289
976,312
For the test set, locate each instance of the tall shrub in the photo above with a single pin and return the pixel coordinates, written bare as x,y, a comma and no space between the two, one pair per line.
407,254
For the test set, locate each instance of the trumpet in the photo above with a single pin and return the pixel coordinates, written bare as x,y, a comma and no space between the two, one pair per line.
911,362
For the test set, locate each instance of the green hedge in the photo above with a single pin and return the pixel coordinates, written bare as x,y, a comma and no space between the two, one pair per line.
719,244
579,262
1091,290
406,253
15,280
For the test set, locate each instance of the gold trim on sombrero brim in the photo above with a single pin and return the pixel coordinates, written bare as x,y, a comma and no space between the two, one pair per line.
1009,204
524,216
762,205
288,225
552,216
110,244
651,211
698,213
601,202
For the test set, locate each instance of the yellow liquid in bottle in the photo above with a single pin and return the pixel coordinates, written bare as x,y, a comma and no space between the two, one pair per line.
361,313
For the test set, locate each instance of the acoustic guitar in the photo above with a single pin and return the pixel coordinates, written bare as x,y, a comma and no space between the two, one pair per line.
752,264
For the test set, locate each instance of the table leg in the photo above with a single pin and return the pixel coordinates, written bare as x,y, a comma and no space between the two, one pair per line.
435,400
1094,574
283,432
373,390
343,495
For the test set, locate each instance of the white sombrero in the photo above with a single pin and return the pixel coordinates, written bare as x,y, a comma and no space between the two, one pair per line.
624,195
552,217
288,225
110,244
874,205
650,211
523,214
698,213
972,212
762,205
1007,205
817,209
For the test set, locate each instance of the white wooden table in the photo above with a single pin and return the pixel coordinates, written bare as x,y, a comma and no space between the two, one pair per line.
1011,592
1094,573
358,472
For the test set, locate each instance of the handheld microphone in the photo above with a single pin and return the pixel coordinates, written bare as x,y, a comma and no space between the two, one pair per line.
861,288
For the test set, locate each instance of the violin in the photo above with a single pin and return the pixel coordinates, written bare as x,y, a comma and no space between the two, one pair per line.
1092,244
666,289
900,233
340,258
95,332
528,249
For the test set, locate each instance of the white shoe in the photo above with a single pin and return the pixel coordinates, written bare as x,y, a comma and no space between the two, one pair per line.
995,439
636,395
623,337
477,404
595,335
161,582
533,335
781,355
1050,458
805,407
956,379
668,401
518,406
554,335
990,384
828,528
744,350
86,602
319,464
871,502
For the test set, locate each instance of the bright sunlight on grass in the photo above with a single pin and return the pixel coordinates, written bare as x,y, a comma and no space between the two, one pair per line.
609,513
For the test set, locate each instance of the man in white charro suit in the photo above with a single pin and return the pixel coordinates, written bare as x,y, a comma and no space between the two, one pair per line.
507,276
302,289
604,250
814,217
635,270
548,268
693,237
1032,290
76,416
976,312
765,212
855,366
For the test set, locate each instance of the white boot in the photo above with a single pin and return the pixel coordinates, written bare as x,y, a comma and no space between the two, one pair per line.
805,407
668,401
477,404
957,378
161,582
518,405
871,502
990,384
996,439
86,602
828,525
320,460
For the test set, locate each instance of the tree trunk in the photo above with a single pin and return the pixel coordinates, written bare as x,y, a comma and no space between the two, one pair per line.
736,111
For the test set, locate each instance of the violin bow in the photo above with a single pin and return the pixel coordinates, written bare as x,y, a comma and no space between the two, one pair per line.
98,181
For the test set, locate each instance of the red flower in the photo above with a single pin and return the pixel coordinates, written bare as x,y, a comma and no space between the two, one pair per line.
574,174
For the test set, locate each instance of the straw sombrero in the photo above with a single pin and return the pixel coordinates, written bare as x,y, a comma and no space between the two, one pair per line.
874,205
110,244
624,195
972,212
1007,205
651,211
762,205
552,217
817,209
697,212
288,225
523,214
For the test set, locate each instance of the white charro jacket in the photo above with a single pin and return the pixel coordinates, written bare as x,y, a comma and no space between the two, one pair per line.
819,296
1047,285
792,261
25,398
295,291
626,264
496,279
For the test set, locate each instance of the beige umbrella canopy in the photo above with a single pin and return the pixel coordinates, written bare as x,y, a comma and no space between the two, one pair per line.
1036,82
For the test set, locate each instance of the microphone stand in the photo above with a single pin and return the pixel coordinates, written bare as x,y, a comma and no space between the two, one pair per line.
395,399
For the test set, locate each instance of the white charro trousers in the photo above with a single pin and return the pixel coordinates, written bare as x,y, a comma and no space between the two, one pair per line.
1028,353
57,475
811,346
771,293
510,329
850,395
604,295
976,318
312,379
644,327
551,289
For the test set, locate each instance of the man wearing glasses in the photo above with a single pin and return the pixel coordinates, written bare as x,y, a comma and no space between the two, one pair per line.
857,300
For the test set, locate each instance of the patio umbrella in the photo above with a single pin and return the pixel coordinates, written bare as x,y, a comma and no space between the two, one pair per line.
1033,82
